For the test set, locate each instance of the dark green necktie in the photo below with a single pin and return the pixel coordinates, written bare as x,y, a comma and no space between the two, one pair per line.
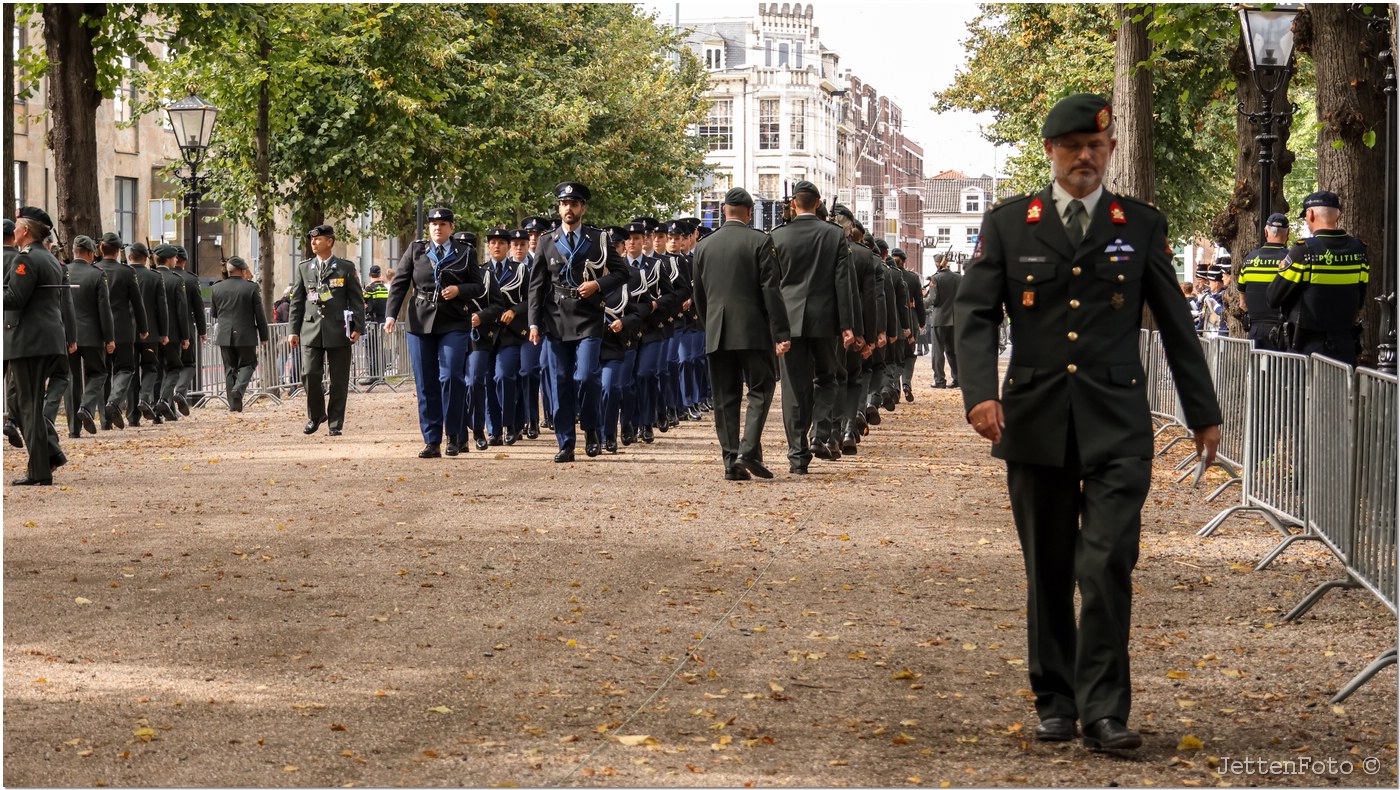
1073,227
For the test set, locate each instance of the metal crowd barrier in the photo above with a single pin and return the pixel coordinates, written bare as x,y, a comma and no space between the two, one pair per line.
1317,443
1274,473
1161,394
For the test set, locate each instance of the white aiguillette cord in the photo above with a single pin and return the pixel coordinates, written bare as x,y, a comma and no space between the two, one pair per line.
688,656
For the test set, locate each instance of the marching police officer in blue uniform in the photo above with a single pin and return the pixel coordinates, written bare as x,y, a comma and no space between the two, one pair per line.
574,266
442,275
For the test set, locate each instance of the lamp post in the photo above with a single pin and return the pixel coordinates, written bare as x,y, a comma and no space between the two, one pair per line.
1268,37
192,120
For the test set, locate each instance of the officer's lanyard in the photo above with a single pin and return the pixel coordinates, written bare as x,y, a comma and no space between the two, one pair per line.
437,260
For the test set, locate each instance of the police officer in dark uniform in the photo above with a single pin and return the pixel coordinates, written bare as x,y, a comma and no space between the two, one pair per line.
574,267
1074,265
512,336
328,317
656,331
148,284
860,357
740,303
1321,283
129,324
814,270
486,411
443,277
92,306
236,306
530,363
918,318
34,339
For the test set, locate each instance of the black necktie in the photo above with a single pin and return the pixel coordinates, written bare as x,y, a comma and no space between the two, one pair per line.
573,241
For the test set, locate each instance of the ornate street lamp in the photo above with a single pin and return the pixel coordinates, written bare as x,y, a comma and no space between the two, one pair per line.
1268,37
192,120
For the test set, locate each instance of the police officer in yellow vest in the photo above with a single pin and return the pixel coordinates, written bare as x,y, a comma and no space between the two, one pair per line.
1260,268
1321,283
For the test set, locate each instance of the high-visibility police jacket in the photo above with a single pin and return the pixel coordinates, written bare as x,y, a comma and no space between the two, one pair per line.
376,301
1323,282
1260,268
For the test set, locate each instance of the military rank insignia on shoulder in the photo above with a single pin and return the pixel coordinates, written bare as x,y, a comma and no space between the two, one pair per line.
1129,199
1006,201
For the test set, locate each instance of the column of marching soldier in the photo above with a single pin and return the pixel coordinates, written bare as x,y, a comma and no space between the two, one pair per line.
114,335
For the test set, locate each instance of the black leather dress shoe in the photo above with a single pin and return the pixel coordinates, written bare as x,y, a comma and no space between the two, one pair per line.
611,446
183,405
146,410
85,420
693,414
452,450
548,424
432,451
940,386
848,444
648,436
533,432
755,468
1056,729
497,441
908,395
113,413
735,473
512,437
12,433
591,448
834,445
481,443
794,469
820,450
629,435
564,457
872,415
890,400
55,461
1107,733
335,431
29,481
311,426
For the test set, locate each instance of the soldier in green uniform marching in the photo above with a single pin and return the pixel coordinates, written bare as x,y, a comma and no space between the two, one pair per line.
328,317
241,324
1074,265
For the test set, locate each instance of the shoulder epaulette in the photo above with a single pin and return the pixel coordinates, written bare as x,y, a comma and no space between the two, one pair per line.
1139,201
1006,201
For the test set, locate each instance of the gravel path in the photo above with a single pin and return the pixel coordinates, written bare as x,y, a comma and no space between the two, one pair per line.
225,602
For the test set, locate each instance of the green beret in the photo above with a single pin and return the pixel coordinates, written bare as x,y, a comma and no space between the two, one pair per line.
806,186
237,263
111,238
738,196
164,251
84,243
1082,112
180,253
9,227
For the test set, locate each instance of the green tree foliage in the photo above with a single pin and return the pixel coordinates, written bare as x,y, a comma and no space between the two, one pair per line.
1022,58
482,107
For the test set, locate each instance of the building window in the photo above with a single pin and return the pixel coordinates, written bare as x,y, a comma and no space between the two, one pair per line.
768,186
126,93
943,236
972,236
19,39
972,201
709,213
162,224
768,53
782,54
768,125
797,126
21,184
126,208
718,129
714,57
797,55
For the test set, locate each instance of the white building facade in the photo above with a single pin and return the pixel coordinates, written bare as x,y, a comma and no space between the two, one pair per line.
953,207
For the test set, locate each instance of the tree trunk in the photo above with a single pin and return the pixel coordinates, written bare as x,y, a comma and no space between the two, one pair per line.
1131,171
73,102
7,133
1351,104
267,225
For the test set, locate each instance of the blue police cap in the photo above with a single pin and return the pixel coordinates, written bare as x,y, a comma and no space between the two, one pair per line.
572,190
498,233
534,224
520,234
441,214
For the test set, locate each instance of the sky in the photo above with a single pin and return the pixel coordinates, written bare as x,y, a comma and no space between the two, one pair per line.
906,51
